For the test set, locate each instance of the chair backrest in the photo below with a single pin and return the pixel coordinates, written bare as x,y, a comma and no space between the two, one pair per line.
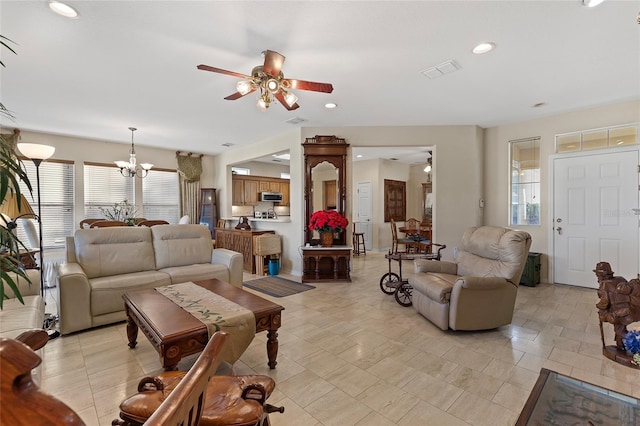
137,220
394,236
184,220
184,405
151,223
32,233
23,403
494,251
106,224
221,223
86,223
412,223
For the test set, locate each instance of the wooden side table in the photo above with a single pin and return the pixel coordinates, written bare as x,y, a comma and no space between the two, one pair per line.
27,258
326,264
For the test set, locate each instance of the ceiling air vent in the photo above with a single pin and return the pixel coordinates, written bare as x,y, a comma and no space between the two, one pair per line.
442,69
295,120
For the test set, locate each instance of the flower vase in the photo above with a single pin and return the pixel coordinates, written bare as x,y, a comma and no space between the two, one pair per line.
326,239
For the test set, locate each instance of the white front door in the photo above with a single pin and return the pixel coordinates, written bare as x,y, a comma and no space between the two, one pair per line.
593,219
363,215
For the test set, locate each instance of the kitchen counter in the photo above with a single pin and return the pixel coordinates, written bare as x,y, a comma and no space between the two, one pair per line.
281,219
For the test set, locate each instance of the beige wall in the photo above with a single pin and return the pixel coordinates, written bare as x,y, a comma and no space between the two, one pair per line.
80,150
496,159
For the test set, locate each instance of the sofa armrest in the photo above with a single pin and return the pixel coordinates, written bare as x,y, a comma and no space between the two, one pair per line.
481,283
233,261
74,298
25,287
426,265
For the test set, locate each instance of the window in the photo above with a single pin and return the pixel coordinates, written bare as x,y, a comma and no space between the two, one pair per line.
525,181
56,200
103,187
161,196
240,171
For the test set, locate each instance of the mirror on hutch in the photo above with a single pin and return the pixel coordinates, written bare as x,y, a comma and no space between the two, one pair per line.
325,184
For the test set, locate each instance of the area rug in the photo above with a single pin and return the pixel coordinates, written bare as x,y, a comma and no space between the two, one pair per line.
276,286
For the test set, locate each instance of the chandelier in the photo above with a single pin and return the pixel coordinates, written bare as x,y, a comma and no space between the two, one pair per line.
130,168
269,86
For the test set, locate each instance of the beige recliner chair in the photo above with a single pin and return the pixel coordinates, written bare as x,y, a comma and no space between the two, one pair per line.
478,291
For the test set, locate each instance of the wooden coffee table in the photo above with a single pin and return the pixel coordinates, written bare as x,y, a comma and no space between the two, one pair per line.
175,333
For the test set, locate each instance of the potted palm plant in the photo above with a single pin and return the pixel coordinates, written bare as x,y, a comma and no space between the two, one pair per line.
11,172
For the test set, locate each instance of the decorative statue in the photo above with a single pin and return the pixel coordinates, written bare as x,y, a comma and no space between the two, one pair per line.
619,302
243,224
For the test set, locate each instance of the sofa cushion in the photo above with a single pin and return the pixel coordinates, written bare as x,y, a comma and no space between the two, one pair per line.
106,292
492,251
199,272
104,252
181,245
16,318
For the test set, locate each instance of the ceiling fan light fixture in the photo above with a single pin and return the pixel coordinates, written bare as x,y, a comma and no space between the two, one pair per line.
263,103
289,98
243,87
272,85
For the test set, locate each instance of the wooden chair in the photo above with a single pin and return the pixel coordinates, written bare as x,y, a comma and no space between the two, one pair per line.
23,403
150,223
107,223
358,242
222,223
198,397
86,223
137,220
396,242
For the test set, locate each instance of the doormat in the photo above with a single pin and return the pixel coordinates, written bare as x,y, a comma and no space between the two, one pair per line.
277,287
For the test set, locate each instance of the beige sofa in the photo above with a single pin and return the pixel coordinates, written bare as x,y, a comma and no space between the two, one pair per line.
104,263
15,317
478,291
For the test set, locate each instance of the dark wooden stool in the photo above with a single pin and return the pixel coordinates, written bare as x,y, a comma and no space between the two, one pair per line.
358,240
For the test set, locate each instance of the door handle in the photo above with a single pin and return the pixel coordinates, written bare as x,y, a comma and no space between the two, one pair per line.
559,229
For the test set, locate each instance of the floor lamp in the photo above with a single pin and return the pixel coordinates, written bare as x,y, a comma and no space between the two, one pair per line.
38,153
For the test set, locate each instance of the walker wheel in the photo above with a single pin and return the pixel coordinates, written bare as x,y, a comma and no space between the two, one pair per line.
404,294
389,282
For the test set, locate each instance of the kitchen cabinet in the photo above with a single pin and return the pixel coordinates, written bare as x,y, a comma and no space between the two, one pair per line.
240,241
284,188
245,190
251,192
208,209
237,192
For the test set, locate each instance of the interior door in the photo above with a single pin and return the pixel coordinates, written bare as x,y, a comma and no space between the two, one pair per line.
363,215
594,197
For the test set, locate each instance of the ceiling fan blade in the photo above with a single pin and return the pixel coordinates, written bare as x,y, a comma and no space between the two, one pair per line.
309,85
221,71
238,95
280,97
272,63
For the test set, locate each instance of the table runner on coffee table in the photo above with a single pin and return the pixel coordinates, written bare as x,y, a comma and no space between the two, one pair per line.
217,313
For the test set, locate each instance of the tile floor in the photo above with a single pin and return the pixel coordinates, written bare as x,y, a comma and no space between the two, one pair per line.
350,355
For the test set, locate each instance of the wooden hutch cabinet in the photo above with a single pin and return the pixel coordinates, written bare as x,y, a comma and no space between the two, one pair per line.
208,209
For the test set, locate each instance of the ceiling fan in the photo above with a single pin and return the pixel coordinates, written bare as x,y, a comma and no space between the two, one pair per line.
271,82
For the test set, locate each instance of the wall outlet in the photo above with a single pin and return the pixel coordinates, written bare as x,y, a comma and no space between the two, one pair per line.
482,203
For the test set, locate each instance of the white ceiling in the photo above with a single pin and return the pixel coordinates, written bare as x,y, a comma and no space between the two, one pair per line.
133,63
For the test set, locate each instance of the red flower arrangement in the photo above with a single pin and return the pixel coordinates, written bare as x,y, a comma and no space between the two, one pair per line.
327,221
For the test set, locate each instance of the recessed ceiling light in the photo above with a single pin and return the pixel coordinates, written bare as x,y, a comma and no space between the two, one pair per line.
591,3
359,156
484,47
63,9
330,105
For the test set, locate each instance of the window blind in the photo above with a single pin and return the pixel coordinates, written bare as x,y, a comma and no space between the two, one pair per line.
56,201
103,187
161,196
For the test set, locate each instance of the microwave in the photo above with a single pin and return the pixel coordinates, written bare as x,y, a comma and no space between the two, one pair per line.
271,196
